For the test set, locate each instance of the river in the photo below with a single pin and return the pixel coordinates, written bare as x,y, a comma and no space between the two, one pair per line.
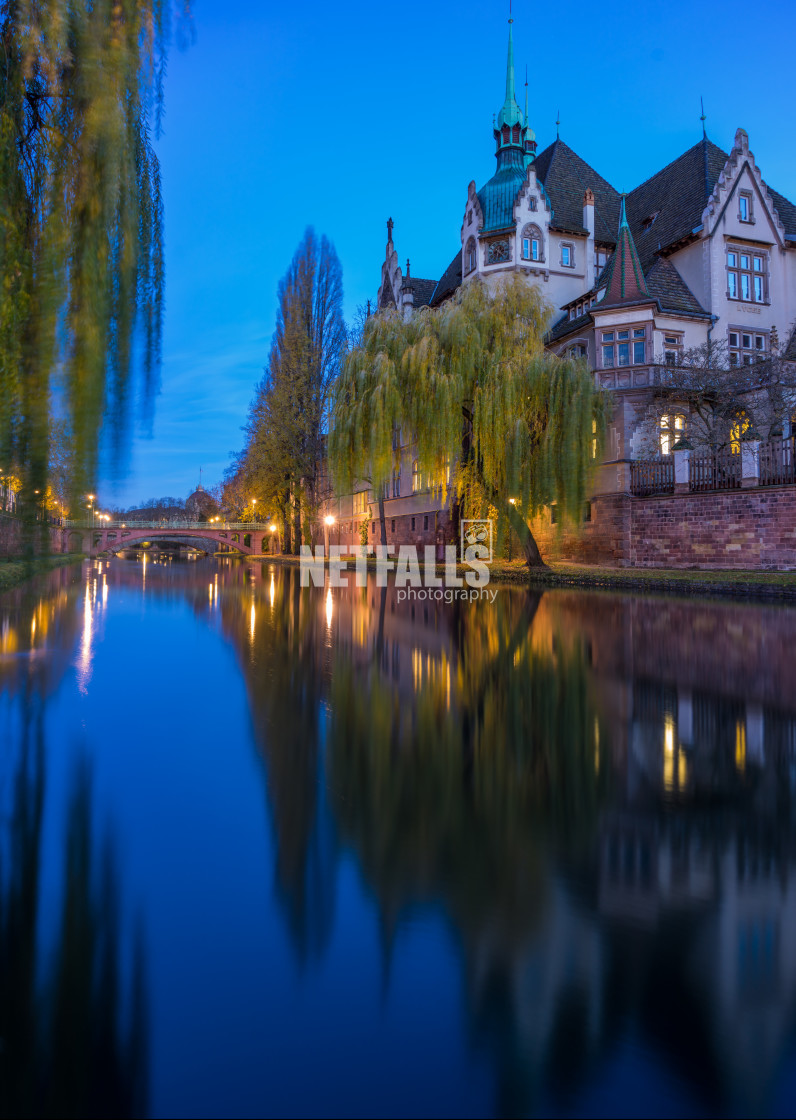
272,850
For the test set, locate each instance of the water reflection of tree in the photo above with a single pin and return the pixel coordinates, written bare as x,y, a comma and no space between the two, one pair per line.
74,1033
72,1029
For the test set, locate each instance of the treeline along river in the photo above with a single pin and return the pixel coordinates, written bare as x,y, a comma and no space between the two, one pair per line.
267,849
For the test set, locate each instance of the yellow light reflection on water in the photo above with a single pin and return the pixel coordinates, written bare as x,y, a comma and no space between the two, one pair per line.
668,753
252,620
329,608
740,746
84,660
272,591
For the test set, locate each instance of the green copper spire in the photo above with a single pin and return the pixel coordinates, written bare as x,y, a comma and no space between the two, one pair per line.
510,113
624,277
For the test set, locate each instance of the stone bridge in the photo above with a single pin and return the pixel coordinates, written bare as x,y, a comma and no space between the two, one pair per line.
247,538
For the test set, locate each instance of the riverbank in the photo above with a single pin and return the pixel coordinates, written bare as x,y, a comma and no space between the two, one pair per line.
14,572
776,586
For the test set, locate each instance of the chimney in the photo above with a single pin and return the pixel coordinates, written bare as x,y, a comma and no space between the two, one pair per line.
588,223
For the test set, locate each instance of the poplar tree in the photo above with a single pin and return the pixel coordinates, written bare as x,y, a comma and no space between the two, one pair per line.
471,384
288,418
81,222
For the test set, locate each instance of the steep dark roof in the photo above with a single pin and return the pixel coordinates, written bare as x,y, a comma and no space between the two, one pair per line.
567,326
423,290
677,195
623,278
449,281
565,177
786,211
665,284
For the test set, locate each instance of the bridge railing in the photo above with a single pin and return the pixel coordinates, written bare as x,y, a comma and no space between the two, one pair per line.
203,526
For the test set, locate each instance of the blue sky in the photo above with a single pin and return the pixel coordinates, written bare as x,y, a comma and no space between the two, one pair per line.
281,116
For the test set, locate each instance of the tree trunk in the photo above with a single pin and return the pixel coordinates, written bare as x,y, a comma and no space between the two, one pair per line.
530,549
382,519
297,520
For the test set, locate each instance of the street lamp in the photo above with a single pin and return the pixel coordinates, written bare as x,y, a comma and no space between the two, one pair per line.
91,507
328,522
512,502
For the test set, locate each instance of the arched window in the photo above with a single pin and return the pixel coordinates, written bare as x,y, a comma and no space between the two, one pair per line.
532,244
469,256
417,482
738,430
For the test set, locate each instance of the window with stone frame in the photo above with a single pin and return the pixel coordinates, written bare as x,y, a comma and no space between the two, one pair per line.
532,244
624,346
498,251
531,203
567,254
600,261
396,482
746,347
672,348
470,259
361,502
747,275
672,428
745,213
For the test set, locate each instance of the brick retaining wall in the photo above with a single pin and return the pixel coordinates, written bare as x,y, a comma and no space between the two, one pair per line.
723,530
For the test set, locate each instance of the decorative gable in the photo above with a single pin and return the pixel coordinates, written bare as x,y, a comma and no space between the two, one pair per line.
741,170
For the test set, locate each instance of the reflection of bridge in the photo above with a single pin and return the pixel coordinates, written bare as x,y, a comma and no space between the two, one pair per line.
251,538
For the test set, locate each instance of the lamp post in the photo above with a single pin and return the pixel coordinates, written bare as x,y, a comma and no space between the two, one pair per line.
512,502
272,530
91,507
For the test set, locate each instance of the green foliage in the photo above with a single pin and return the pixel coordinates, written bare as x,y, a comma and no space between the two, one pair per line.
81,258
472,382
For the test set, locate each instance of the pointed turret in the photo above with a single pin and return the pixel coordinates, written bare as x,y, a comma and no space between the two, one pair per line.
624,276
514,139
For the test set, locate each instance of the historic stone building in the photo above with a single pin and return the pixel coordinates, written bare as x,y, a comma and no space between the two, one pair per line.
702,251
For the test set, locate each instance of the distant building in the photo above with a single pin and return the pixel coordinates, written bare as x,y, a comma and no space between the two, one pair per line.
703,250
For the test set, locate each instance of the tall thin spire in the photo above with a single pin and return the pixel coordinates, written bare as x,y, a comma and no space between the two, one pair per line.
703,118
510,113
525,122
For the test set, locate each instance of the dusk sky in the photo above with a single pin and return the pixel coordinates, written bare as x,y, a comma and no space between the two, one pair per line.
281,116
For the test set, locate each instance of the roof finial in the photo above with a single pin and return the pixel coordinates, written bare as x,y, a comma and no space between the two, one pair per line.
558,122
368,308
526,95
407,268
703,117
390,224
622,214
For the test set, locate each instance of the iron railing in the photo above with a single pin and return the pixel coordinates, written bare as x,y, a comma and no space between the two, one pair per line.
714,471
652,476
777,462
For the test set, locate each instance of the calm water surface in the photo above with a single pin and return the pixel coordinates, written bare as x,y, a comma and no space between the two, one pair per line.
273,850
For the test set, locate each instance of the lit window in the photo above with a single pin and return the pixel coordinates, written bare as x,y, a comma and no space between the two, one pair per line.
416,479
594,439
737,431
747,276
672,429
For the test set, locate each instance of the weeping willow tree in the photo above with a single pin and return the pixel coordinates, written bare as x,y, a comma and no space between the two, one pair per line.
81,224
472,385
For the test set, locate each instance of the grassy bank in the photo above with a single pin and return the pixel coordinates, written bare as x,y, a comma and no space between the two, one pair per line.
672,581
14,572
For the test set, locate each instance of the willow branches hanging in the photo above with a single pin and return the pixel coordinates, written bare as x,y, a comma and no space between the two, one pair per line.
471,384
81,222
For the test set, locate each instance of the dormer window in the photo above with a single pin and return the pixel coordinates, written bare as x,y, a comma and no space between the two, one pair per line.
600,261
649,221
745,206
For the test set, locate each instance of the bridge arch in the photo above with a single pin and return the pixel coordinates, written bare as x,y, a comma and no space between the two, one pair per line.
120,542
